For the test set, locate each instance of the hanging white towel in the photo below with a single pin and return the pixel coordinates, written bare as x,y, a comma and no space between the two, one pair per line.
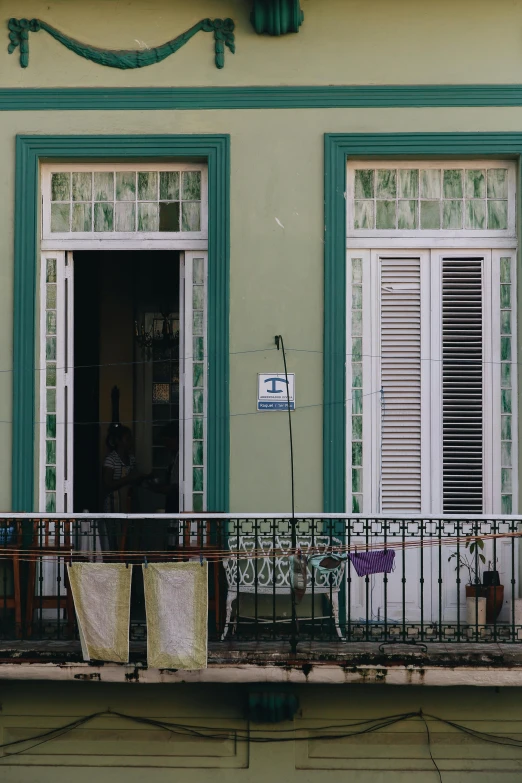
176,602
101,594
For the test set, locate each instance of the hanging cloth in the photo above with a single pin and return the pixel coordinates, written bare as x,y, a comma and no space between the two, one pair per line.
326,563
176,602
373,562
101,594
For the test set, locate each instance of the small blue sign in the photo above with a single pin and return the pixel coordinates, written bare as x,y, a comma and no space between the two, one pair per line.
275,392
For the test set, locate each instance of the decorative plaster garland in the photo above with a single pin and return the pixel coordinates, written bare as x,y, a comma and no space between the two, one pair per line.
223,30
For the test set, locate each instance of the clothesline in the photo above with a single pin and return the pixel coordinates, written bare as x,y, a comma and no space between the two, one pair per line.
29,554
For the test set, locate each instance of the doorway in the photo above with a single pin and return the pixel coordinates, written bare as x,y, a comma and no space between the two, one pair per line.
123,341
119,378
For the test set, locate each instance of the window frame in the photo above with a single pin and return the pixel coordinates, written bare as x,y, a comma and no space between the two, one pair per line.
453,236
431,383
76,240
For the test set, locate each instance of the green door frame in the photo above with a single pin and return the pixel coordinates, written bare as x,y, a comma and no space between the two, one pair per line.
338,148
30,152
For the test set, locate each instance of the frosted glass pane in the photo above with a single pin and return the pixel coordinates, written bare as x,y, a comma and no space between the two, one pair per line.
497,215
148,185
60,217
364,179
50,452
430,214
408,183
103,186
407,215
430,183
82,217
50,321
197,428
452,214
50,349
505,270
125,216
51,400
191,216
191,185
50,374
169,186
452,183
50,298
386,216
356,297
198,271
386,183
82,186
61,186
50,426
125,185
103,217
476,183
476,214
364,214
357,270
50,269
148,217
497,183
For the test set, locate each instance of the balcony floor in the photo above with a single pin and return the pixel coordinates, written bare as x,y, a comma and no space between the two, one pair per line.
278,653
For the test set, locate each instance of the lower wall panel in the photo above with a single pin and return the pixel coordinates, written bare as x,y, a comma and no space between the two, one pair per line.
112,748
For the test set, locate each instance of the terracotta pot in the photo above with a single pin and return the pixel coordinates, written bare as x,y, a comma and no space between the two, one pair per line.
476,591
495,601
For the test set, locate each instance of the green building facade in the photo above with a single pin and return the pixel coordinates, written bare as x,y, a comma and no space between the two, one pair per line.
267,171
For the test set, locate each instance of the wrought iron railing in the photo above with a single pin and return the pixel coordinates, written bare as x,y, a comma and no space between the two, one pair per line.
454,579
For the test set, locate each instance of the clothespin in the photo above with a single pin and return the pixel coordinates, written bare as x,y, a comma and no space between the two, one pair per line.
145,559
70,558
201,559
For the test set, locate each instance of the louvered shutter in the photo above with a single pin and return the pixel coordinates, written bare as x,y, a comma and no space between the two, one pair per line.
400,334
462,385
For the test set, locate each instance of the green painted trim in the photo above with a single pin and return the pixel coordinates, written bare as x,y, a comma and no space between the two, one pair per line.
30,150
276,17
201,98
338,148
223,30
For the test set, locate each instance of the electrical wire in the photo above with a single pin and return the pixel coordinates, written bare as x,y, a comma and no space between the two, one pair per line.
277,735
345,355
421,714
200,416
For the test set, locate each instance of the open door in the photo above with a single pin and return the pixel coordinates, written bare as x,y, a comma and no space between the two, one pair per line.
56,370
193,372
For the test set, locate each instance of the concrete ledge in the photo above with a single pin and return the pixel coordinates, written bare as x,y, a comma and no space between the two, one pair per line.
314,663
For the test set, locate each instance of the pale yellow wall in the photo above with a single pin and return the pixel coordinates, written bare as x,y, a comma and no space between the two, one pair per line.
341,42
276,273
111,749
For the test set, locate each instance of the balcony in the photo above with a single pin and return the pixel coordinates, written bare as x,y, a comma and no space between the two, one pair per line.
450,602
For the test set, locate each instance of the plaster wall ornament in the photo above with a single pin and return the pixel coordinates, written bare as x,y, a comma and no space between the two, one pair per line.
223,30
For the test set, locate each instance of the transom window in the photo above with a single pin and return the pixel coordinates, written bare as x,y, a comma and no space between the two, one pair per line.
446,197
147,200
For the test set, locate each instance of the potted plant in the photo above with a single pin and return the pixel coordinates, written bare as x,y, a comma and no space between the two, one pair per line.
470,560
494,591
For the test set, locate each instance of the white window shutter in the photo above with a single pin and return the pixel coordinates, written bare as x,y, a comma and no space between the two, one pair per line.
400,334
462,385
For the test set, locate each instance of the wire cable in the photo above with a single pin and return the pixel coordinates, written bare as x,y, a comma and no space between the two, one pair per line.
277,735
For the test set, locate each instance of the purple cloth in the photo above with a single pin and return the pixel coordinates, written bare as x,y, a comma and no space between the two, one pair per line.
374,562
